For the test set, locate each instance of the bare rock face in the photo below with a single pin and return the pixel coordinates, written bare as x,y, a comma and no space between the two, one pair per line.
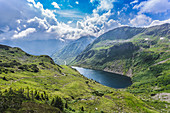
162,97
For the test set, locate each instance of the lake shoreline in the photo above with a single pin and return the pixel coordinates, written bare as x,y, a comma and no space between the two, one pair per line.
109,79
105,70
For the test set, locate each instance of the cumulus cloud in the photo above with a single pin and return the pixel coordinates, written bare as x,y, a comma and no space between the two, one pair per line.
134,2
24,33
39,23
141,20
55,5
42,23
92,1
77,2
94,25
46,12
104,5
153,6
111,24
69,22
158,22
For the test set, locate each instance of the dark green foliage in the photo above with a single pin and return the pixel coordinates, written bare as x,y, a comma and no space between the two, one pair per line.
142,54
82,108
11,99
31,68
57,102
37,96
66,105
4,78
15,59
98,93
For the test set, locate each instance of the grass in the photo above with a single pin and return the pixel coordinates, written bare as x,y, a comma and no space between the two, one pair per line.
34,78
146,55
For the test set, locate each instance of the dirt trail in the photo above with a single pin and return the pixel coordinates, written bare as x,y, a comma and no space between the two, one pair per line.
161,62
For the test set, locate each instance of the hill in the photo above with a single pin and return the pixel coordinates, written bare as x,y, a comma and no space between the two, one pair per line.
141,53
36,84
71,50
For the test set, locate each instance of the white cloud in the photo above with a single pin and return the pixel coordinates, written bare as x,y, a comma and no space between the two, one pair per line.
95,26
39,23
55,5
70,13
134,2
24,26
92,1
69,22
18,29
70,6
77,2
111,24
140,20
46,12
42,22
153,6
24,33
105,5
158,22
18,21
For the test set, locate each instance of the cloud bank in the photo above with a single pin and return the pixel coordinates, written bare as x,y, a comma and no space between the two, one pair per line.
44,21
31,20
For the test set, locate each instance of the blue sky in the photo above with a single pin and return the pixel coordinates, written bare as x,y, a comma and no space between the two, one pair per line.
71,19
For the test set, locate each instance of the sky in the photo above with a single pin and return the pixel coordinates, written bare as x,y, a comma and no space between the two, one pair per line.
71,19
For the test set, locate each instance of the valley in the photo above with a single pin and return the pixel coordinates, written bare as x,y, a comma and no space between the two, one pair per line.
34,82
31,82
84,56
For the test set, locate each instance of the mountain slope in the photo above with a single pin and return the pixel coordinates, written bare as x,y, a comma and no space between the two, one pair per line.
36,84
70,51
144,57
108,48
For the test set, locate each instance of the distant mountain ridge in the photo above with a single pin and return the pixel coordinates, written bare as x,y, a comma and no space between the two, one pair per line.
37,47
71,50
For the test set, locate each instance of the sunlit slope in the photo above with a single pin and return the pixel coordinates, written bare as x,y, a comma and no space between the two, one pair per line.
34,82
144,56
71,50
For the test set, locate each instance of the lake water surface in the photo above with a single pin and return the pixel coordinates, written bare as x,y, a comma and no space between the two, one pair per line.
106,78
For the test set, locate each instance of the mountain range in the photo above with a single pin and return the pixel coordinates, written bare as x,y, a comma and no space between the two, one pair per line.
71,50
36,84
37,47
140,53
123,44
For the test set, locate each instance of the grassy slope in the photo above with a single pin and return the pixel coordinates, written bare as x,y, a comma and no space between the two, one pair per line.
70,51
39,73
146,55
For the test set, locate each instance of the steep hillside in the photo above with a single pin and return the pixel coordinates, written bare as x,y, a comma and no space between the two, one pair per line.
36,84
108,49
70,51
144,56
